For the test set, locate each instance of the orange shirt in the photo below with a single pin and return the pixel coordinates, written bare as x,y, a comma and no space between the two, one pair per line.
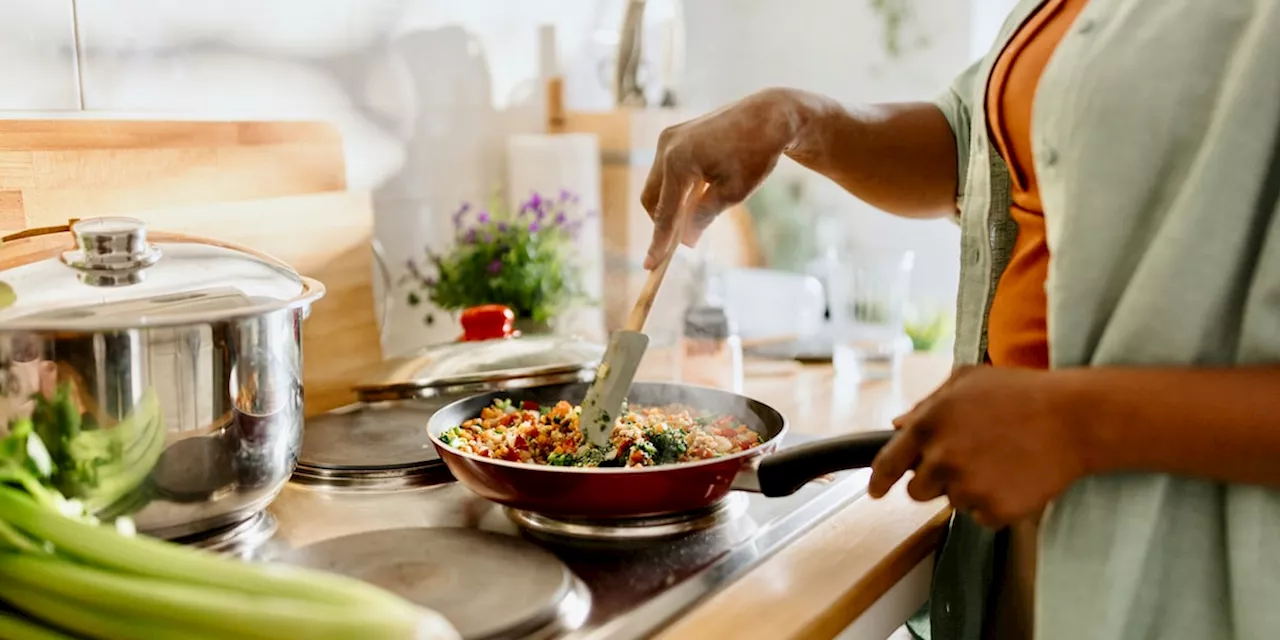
1016,330
1017,334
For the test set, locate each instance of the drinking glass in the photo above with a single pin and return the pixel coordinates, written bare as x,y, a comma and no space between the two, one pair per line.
868,292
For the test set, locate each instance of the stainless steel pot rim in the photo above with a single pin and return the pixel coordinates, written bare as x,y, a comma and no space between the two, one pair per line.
312,290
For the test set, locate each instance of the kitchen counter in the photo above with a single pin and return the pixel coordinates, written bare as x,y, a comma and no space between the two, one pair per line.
837,557
864,569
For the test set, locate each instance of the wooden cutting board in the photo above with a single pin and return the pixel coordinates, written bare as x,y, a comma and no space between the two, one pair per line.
277,187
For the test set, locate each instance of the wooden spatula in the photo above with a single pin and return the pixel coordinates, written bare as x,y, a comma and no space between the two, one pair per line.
622,357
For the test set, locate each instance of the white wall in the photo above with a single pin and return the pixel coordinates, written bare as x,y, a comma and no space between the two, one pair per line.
425,91
836,47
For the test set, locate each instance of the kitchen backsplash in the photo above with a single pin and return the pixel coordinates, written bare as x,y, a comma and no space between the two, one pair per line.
426,91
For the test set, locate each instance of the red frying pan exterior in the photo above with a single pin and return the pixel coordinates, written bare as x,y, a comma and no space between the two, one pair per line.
610,492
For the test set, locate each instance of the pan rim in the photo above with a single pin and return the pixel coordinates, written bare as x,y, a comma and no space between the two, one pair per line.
749,453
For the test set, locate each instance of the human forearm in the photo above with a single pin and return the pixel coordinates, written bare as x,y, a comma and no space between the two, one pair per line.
899,157
1219,424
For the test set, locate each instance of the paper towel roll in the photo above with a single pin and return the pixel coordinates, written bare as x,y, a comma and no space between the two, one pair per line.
547,163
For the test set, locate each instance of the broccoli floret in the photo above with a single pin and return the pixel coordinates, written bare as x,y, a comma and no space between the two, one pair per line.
667,445
590,457
585,457
647,448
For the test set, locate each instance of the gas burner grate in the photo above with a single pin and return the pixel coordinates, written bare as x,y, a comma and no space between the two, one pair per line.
671,525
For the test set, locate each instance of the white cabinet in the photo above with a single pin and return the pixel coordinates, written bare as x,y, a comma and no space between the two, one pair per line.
37,56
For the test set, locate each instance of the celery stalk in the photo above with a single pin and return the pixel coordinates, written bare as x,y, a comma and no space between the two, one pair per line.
16,628
13,539
216,612
142,556
88,621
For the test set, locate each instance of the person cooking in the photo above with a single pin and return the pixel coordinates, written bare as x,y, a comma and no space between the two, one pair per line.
1110,438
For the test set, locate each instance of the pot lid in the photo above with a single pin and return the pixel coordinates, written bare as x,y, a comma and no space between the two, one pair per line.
502,362
109,273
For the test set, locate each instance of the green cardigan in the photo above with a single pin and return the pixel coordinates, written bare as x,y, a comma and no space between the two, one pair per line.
1153,128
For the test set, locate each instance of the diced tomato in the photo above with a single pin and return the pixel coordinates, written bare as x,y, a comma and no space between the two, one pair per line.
512,455
529,405
520,442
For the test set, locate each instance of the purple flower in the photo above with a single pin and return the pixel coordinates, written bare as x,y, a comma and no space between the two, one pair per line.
457,215
561,218
482,217
592,213
502,227
565,196
535,226
495,267
471,236
535,201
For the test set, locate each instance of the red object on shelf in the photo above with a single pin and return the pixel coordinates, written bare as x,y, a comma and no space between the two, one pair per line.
487,322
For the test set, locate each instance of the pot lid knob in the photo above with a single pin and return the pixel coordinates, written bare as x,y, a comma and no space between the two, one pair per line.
111,251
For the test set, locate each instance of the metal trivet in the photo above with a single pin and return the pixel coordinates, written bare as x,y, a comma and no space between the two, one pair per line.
489,586
241,539
623,529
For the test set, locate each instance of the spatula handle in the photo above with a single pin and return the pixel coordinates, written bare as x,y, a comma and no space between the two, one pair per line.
644,302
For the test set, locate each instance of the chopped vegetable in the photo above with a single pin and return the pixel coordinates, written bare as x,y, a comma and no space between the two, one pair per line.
68,574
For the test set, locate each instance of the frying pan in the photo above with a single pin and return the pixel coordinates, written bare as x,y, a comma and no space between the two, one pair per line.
649,491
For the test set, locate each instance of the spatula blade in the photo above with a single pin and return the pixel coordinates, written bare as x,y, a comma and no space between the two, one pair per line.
617,370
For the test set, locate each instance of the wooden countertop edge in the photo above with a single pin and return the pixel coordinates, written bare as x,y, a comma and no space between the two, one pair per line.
820,583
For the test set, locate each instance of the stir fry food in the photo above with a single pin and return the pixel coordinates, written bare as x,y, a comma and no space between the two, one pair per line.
642,436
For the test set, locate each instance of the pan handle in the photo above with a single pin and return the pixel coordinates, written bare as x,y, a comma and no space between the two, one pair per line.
784,472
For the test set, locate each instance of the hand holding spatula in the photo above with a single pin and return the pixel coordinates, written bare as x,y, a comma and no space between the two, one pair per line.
617,369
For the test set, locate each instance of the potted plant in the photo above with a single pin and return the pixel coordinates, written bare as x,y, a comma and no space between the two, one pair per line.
521,259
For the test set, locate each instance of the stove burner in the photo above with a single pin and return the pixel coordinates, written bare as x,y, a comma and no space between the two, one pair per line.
370,436
624,529
489,586
241,539
390,479
376,446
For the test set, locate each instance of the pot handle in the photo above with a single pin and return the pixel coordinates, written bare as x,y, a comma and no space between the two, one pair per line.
40,231
783,473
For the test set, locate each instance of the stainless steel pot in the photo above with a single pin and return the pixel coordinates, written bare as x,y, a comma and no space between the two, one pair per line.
164,373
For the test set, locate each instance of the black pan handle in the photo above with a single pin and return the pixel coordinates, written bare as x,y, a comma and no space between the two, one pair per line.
784,472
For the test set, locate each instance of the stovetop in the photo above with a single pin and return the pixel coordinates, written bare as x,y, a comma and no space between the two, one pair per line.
614,586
